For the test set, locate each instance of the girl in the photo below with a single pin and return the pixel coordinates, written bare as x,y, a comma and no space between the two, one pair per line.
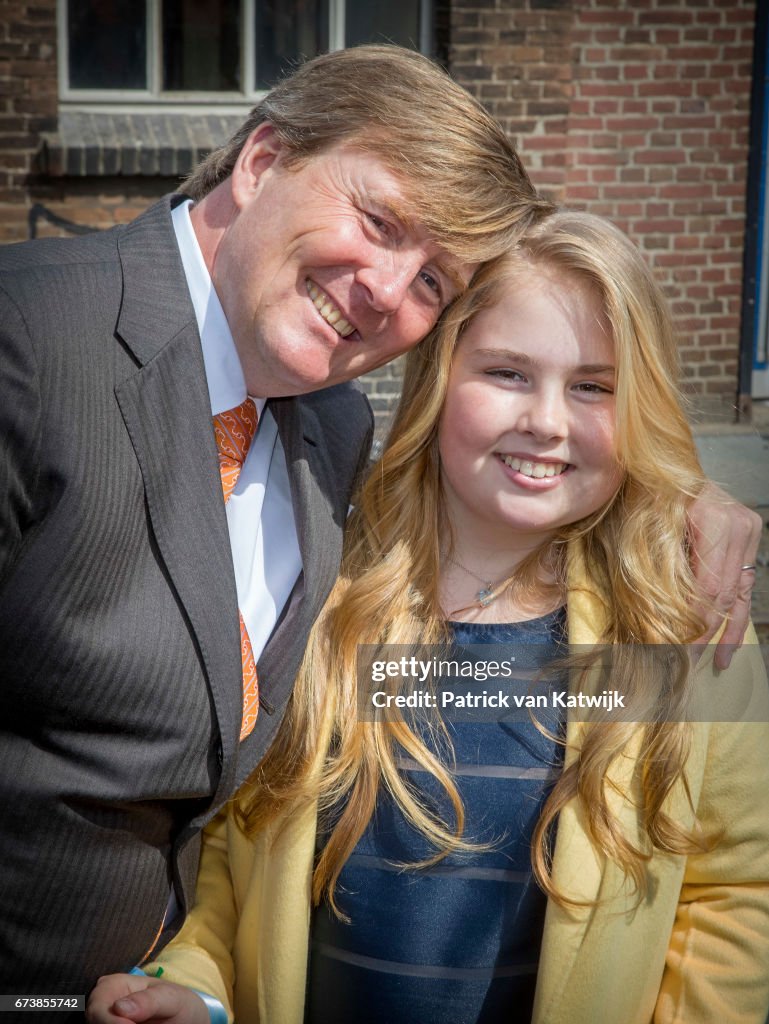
535,486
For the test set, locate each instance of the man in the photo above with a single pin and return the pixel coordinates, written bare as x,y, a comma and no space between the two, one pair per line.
324,240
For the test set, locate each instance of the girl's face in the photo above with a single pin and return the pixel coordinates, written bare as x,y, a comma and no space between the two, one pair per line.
526,436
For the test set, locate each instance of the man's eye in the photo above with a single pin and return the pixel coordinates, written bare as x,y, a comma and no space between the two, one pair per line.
432,282
379,224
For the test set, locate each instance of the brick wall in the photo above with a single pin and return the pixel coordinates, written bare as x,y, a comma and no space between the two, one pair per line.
32,203
383,387
59,206
636,109
28,103
639,111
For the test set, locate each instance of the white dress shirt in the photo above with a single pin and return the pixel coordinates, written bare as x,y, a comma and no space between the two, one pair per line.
260,515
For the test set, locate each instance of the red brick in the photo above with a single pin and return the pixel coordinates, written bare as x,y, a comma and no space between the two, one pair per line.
617,89
629,191
660,156
692,140
584,192
611,14
541,143
635,124
599,175
668,36
665,17
670,88
632,174
631,107
668,225
660,107
611,158
587,124
681,54
629,209
631,140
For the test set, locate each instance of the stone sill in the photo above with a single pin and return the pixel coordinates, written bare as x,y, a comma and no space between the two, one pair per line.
137,144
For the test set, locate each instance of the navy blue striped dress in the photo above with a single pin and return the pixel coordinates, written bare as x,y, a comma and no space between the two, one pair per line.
457,943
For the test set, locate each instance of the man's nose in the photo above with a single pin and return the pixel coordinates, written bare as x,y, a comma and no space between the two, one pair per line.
387,279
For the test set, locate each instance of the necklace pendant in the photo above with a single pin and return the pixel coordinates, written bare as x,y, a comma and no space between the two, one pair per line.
485,595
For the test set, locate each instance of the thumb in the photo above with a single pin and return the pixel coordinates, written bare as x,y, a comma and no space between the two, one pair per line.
165,1002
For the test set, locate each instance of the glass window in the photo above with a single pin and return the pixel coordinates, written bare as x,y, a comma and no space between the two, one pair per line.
107,44
228,50
201,50
285,32
382,21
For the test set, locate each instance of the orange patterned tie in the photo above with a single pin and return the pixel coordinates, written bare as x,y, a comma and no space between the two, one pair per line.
234,431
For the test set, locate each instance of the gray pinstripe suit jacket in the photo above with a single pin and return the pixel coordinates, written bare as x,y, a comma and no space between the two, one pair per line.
120,688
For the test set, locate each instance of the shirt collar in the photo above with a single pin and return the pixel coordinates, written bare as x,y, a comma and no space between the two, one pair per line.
224,374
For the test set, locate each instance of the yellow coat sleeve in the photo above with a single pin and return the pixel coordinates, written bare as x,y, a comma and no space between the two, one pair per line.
200,956
717,963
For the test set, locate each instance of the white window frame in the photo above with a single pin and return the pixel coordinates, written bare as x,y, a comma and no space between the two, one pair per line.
186,101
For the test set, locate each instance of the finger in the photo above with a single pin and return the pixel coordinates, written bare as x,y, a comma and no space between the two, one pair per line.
141,1006
723,543
737,589
103,1015
717,597
732,637
99,1014
708,560
709,531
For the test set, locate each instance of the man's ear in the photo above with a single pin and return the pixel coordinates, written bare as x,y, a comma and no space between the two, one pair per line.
259,153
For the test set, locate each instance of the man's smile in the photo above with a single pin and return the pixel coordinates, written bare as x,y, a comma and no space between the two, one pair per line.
328,310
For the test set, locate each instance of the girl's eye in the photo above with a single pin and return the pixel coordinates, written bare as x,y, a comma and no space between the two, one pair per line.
591,387
512,375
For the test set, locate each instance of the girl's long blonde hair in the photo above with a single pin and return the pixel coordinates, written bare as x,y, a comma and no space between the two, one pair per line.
634,553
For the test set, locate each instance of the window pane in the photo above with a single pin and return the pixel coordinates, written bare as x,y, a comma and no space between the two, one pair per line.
200,45
382,21
107,44
287,31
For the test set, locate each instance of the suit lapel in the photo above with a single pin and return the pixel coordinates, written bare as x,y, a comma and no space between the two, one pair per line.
166,409
319,531
312,481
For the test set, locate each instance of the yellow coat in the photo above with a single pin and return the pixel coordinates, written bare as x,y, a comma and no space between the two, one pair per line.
695,951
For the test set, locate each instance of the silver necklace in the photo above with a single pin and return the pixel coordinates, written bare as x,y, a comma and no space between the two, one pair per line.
489,591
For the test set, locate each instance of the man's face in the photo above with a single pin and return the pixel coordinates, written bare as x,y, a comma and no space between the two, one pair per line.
321,272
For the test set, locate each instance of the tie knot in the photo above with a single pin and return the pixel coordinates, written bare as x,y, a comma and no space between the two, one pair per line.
234,431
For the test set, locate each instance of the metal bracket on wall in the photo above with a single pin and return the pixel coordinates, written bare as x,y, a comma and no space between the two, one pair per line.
38,212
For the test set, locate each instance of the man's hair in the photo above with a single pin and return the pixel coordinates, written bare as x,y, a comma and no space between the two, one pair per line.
461,174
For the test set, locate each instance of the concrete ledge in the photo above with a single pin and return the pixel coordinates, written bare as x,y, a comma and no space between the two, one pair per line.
151,144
